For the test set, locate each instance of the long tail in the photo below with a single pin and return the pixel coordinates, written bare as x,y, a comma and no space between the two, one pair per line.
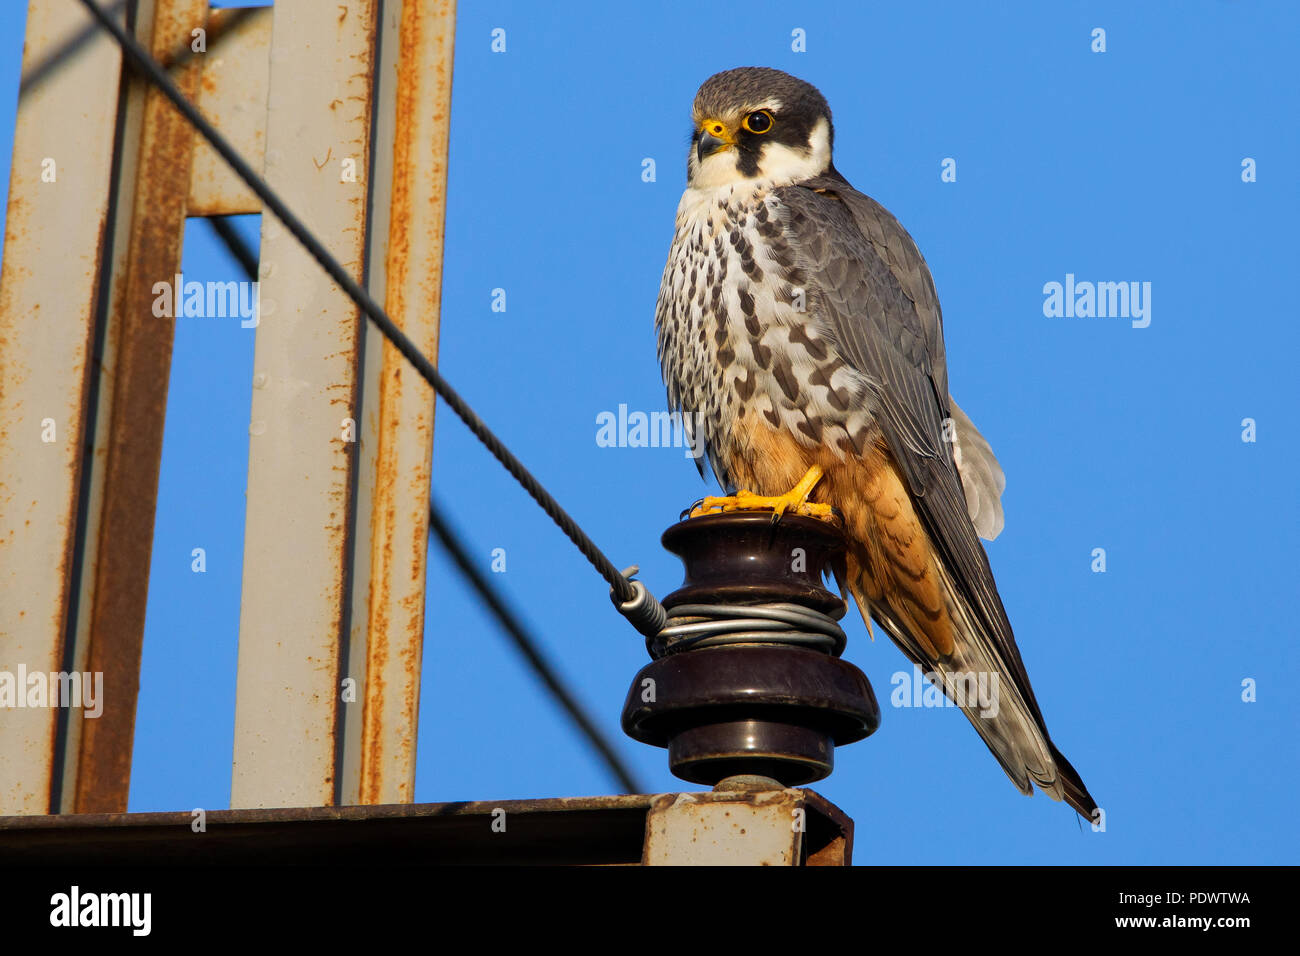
957,635
977,682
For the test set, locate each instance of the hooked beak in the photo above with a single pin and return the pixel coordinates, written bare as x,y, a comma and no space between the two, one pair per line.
714,136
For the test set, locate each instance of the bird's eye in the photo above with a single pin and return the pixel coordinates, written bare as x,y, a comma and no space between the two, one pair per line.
759,122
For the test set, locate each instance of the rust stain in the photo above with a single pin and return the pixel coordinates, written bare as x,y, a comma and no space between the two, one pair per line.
398,538
234,88
134,430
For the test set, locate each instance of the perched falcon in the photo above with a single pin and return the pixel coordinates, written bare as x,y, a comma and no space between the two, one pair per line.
799,327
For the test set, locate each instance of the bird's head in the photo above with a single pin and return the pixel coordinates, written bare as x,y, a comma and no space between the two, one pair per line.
761,125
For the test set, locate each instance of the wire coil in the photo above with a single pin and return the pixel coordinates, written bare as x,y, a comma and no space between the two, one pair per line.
691,626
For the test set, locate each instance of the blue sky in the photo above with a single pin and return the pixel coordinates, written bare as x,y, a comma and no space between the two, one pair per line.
1117,166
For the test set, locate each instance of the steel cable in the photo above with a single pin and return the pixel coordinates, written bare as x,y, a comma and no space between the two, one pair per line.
628,596
440,528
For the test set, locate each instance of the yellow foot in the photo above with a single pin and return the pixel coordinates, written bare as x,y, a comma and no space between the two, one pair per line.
795,501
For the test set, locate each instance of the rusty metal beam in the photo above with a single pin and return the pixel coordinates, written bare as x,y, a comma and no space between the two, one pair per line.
348,584
294,615
334,572
746,828
232,95
623,830
59,189
409,177
94,553
153,178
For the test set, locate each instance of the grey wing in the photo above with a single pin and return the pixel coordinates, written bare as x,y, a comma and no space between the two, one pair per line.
898,251
981,476
896,342
867,312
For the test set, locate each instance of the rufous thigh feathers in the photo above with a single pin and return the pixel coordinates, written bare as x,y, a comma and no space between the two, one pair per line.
890,559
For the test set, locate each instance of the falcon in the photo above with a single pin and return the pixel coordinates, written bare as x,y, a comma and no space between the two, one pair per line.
799,328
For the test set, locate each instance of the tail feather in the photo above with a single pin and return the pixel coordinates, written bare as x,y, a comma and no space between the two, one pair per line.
915,564
1009,723
1076,794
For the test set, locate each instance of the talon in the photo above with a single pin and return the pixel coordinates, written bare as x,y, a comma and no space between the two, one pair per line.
795,500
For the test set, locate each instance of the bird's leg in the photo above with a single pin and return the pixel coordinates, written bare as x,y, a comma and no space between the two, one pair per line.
794,500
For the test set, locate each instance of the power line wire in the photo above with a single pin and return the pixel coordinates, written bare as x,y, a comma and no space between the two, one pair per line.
527,646
243,255
451,542
632,598
43,69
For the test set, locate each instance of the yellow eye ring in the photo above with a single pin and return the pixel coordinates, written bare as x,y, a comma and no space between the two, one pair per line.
759,122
